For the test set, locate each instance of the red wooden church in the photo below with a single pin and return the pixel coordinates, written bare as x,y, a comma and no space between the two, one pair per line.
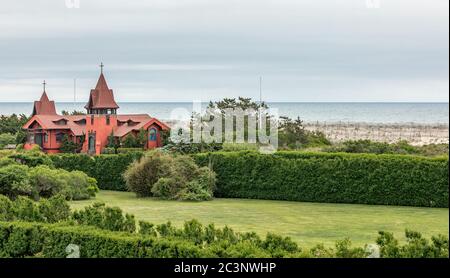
46,128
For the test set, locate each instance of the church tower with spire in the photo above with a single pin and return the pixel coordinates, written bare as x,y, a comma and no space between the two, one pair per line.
101,99
44,106
101,116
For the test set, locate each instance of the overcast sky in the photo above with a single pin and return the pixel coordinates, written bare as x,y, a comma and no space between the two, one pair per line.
184,50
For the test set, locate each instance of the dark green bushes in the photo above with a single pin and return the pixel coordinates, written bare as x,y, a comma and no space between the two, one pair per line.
15,180
43,181
108,218
50,210
331,178
101,231
106,169
416,247
28,239
170,177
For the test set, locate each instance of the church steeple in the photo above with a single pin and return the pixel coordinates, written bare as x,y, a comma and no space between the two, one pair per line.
44,106
101,99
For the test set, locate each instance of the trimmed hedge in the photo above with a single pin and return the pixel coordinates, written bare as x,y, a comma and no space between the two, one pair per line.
331,177
106,169
28,239
22,239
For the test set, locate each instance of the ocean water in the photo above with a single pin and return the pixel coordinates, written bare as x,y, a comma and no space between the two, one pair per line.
422,113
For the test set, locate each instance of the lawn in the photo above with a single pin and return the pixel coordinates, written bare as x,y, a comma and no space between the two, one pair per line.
306,223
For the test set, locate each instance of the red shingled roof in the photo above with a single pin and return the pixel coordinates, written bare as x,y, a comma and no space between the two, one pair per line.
44,106
137,121
101,97
72,123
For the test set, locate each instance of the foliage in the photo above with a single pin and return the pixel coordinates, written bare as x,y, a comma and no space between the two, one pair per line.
170,177
234,147
12,124
52,210
15,181
141,138
108,218
138,141
109,150
68,145
128,150
32,158
331,178
74,185
241,102
401,147
293,135
5,161
191,148
106,169
98,229
416,246
6,139
129,141
26,239
43,181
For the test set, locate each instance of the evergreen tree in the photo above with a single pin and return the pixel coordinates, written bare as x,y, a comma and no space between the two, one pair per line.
68,145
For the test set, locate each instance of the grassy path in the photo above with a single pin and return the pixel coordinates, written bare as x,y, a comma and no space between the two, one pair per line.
306,223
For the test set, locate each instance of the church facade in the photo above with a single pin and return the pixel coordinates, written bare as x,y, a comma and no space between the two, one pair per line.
92,131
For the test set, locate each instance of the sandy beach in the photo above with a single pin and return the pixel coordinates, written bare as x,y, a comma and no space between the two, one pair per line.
415,134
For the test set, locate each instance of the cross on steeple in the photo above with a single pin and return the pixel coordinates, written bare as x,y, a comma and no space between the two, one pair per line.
101,67
44,83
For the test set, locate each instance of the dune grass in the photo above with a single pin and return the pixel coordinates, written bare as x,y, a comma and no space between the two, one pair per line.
306,223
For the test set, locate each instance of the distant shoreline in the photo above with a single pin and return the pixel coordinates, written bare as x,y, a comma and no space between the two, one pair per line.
423,113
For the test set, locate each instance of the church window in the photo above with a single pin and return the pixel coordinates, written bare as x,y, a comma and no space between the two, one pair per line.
152,134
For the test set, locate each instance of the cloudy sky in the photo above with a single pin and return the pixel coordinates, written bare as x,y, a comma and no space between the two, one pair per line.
184,50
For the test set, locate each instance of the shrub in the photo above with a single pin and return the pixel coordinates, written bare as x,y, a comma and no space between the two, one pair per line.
416,246
5,161
108,218
74,185
68,145
26,209
106,169
331,178
293,135
234,147
170,177
50,241
46,182
6,139
19,239
109,150
54,209
146,228
32,158
129,150
22,208
15,180
6,205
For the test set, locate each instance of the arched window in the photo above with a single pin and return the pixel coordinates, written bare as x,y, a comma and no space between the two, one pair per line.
152,134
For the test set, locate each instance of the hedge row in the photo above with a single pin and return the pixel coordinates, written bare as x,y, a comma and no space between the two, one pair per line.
331,178
22,239
106,169
28,239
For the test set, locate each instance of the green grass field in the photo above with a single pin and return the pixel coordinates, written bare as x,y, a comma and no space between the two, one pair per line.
306,223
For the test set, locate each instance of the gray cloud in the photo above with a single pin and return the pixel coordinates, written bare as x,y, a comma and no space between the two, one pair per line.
167,50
